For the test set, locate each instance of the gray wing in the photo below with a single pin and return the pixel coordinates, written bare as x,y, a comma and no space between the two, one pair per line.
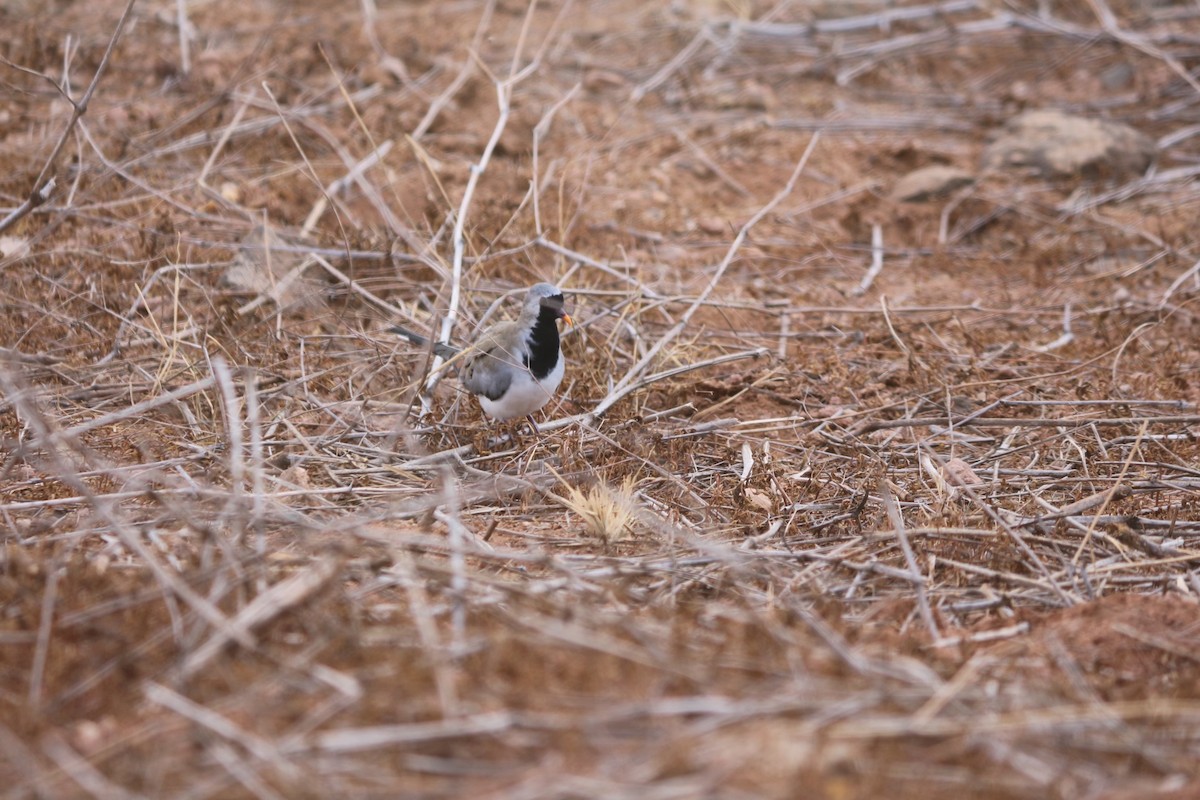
488,373
495,359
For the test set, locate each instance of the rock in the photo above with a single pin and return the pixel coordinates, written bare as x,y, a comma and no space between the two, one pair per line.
13,246
930,183
264,268
1054,144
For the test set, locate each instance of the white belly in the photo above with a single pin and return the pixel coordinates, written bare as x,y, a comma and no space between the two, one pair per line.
525,395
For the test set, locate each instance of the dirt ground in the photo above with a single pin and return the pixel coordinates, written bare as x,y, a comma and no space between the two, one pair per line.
843,496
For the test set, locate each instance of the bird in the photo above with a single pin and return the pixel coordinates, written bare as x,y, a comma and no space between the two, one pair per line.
513,367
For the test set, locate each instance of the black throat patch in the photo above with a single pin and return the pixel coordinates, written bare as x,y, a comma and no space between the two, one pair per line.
543,343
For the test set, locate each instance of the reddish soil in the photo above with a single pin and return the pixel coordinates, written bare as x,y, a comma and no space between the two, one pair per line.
238,562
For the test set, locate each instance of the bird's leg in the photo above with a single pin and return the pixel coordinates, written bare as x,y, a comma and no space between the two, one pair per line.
533,424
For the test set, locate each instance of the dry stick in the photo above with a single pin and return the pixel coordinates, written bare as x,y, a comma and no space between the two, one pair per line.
618,391
503,91
887,319
390,62
353,286
956,33
42,648
588,417
459,536
1180,281
648,463
42,188
443,99
876,261
219,724
139,409
995,634
281,597
881,20
369,191
708,411
54,441
1108,21
554,247
1130,339
1018,422
1117,492
540,131
21,757
574,633
521,37
256,125
1046,720
863,664
312,172
258,501
185,38
426,624
355,740
948,691
1087,533
677,62
1011,532
1166,645
1154,179
1111,495
1064,339
123,171
711,163
226,134
1181,405
232,413
94,782
155,333
276,292
893,512
232,761
354,174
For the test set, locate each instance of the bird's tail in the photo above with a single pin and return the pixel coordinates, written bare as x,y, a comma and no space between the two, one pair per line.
439,348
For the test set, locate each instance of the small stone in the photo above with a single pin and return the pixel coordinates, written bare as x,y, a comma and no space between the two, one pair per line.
264,267
1054,144
760,500
599,80
13,245
930,183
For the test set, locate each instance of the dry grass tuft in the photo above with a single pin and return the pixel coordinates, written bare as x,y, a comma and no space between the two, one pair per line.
608,513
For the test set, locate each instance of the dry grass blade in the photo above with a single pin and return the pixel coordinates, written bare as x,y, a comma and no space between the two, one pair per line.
275,601
351,740
43,184
617,392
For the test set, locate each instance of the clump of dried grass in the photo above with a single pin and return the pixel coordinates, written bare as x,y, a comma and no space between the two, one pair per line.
608,512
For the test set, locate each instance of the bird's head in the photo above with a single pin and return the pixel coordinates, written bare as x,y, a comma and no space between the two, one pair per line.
548,296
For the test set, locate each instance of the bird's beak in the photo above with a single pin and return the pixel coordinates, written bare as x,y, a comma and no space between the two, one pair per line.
567,318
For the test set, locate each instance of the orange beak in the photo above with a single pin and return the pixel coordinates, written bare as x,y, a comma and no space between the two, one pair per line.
567,318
